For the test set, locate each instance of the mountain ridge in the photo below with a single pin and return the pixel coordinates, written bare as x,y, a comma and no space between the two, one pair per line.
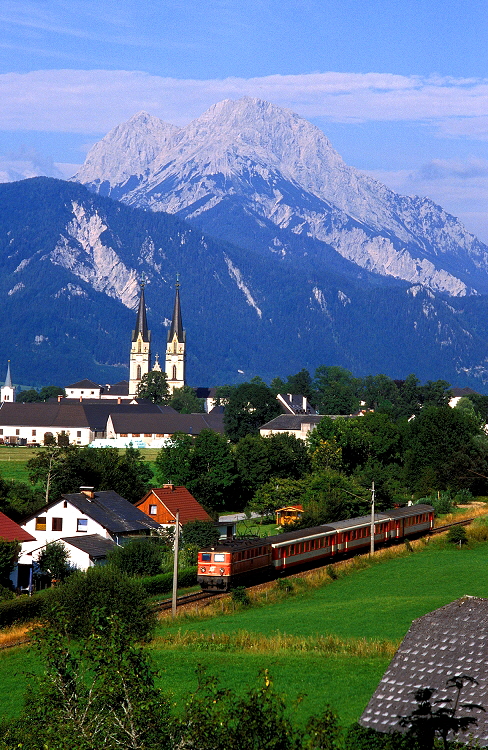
71,264
285,170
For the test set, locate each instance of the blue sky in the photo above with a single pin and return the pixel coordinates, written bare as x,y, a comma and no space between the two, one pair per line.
400,88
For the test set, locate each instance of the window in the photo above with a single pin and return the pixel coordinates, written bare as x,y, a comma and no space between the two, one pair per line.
78,433
136,434
82,524
123,434
153,510
57,524
219,558
138,373
148,434
174,372
206,557
33,433
1,431
17,432
41,523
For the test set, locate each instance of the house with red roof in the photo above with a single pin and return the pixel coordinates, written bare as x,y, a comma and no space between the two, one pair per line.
12,532
161,504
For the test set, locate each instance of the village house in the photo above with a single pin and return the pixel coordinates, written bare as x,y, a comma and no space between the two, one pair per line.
12,532
162,503
86,515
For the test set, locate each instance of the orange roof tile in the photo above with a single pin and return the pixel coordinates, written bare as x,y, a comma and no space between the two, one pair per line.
178,498
12,531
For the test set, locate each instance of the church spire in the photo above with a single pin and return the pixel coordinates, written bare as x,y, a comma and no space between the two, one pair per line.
140,353
175,347
141,320
8,379
7,391
177,324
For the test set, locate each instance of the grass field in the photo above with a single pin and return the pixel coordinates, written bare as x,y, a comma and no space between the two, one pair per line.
13,462
375,603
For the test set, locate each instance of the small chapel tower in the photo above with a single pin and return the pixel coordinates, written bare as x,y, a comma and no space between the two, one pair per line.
175,348
140,353
7,391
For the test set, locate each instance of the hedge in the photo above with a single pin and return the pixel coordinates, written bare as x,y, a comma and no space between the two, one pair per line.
163,583
22,608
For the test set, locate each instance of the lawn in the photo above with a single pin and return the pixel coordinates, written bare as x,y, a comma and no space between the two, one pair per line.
375,603
13,462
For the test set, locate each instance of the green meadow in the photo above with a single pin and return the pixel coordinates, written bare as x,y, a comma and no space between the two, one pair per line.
365,605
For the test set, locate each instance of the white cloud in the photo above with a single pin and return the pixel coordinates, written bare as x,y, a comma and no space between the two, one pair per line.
93,101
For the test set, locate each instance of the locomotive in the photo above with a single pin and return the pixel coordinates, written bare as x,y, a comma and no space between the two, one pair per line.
243,561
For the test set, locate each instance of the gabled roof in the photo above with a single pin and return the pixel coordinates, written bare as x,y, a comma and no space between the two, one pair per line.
294,403
291,422
96,546
295,421
179,498
54,415
141,320
447,642
176,327
84,384
11,531
111,511
166,423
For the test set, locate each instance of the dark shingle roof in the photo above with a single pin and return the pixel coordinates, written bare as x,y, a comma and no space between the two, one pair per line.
166,423
96,546
295,421
450,641
43,415
112,511
84,384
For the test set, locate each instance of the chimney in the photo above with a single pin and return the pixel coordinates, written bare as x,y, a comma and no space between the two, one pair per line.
119,400
88,492
304,403
169,487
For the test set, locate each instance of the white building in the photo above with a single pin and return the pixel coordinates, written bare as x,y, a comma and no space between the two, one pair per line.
84,515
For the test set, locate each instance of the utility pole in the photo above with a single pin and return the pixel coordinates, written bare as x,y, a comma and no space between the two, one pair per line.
175,564
371,551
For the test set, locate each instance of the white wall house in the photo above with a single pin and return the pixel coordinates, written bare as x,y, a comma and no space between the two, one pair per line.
82,516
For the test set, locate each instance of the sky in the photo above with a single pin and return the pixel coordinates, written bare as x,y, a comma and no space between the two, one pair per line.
400,88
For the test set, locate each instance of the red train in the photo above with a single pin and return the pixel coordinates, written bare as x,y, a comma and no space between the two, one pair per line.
242,561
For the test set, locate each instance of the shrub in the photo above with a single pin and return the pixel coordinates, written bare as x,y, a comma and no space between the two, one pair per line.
105,589
457,535
163,583
284,585
200,533
53,560
331,572
23,608
239,595
442,502
140,557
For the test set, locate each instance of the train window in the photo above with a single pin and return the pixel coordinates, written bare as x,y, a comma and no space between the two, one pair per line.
292,549
206,557
219,558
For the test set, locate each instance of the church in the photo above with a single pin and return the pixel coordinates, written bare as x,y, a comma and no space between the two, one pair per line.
140,359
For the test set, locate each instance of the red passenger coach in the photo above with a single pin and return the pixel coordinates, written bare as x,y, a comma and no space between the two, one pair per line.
242,561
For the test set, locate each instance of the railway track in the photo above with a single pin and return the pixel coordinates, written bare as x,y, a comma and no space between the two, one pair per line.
447,526
192,598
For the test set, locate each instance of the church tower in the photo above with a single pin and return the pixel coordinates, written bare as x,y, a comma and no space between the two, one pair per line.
175,348
140,353
7,391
